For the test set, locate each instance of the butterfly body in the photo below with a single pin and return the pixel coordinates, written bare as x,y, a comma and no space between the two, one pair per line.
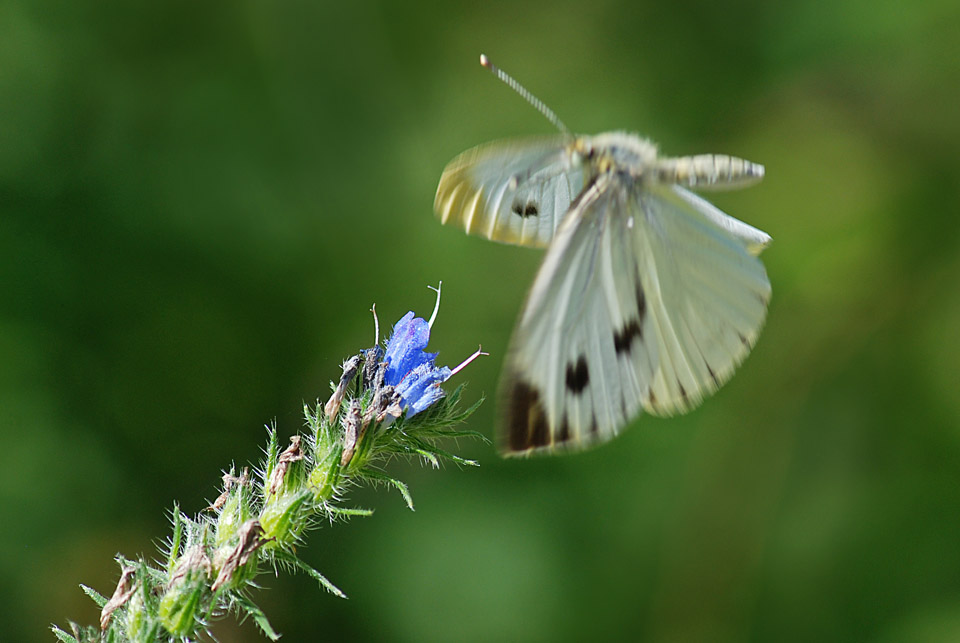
648,297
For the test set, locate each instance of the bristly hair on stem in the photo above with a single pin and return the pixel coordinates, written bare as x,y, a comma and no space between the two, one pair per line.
387,403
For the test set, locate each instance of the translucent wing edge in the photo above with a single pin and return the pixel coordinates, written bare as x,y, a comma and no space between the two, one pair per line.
756,240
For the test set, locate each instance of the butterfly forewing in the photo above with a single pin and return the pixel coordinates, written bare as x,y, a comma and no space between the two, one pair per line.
645,300
515,192
577,368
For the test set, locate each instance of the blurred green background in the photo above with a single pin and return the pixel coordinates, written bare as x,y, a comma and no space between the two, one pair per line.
199,201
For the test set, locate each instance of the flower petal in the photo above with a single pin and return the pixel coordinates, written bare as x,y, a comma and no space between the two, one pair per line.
405,348
421,387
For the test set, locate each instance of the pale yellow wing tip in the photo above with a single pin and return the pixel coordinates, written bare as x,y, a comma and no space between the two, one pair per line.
759,246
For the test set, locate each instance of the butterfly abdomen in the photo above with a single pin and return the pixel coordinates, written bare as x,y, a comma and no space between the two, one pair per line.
708,171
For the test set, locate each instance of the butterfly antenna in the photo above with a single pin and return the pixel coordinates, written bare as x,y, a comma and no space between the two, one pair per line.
527,96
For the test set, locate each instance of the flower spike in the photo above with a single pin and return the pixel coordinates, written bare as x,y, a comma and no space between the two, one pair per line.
257,522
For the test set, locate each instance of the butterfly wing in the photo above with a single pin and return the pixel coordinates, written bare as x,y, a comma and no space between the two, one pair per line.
755,240
511,191
568,382
708,294
645,300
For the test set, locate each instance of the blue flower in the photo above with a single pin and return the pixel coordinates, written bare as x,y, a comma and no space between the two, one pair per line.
405,348
410,369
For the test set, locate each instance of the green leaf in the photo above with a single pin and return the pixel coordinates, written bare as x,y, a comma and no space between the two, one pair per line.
348,512
177,537
272,452
317,576
420,447
382,477
447,433
97,597
63,636
250,609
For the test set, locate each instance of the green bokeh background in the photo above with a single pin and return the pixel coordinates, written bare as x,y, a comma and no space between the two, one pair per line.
199,201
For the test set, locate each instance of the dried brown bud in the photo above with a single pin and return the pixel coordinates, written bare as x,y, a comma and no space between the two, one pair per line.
121,595
251,539
290,455
332,406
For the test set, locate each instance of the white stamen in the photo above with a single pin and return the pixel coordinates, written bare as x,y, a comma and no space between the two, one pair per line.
436,306
376,326
464,363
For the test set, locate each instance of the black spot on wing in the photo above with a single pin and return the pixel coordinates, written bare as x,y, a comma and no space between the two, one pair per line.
525,210
539,431
641,302
578,376
527,423
632,329
623,338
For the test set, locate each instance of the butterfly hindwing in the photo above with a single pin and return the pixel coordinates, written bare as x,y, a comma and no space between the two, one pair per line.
515,192
644,301
708,293
755,240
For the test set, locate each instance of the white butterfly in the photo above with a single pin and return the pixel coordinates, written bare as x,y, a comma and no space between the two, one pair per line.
648,297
